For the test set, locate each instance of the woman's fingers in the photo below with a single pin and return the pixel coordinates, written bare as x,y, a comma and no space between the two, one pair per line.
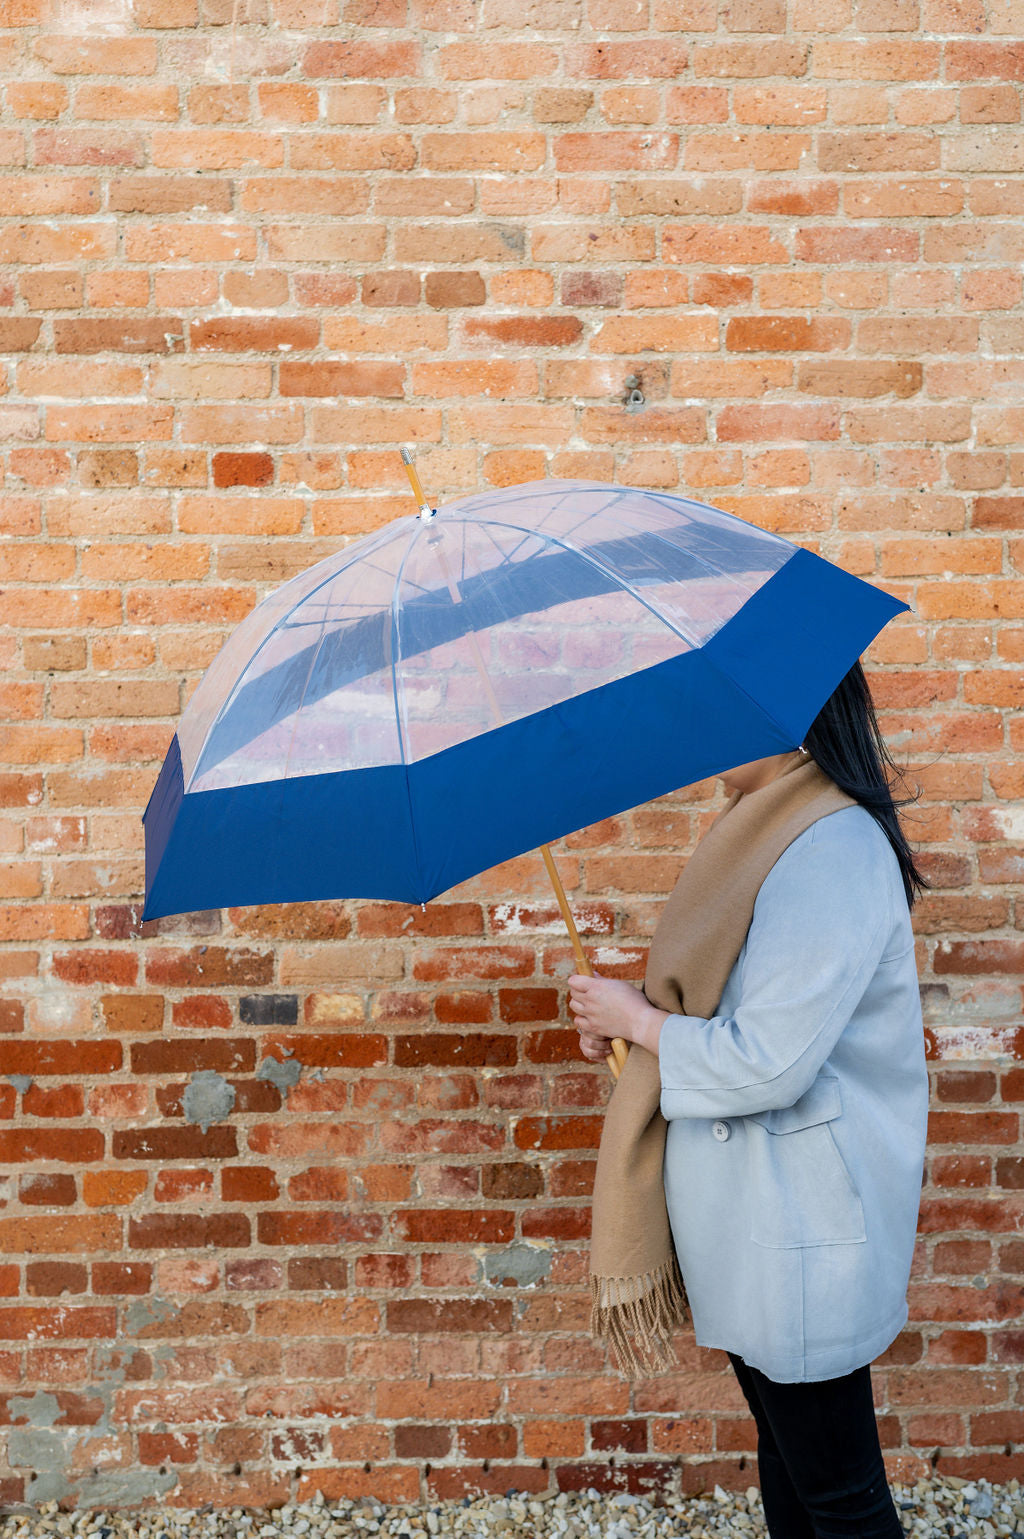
594,1045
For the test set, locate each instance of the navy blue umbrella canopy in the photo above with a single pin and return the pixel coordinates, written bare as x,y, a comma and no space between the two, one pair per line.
467,684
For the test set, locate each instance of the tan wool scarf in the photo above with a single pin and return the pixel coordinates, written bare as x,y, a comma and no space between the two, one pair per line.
638,1298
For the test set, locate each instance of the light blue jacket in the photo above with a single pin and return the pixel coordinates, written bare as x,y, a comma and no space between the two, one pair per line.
797,1116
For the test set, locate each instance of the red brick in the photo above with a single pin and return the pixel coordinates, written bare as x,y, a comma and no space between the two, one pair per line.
242,469
784,333
463,1007
228,1055
64,1323
556,1223
132,1012
989,1127
47,1191
248,1184
422,1442
592,288
965,1085
529,1004
355,60
338,1050
998,513
557,1133
482,151
51,1279
977,60
317,1228
767,422
342,379
174,1143
391,288
525,331
121,1277
35,1057
877,59
59,1101
958,1346
465,1048
190,1231
982,956
253,1274
428,1316
467,962
202,1013
209,966
63,1234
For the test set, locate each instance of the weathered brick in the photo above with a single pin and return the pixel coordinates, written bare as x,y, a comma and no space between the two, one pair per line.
219,1055
174,1143
317,1228
190,1231
781,333
429,1316
48,1190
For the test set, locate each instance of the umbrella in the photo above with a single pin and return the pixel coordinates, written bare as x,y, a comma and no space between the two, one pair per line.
473,681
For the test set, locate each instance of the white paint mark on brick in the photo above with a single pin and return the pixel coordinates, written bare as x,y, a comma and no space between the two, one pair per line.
613,956
55,1011
102,17
964,1043
1009,821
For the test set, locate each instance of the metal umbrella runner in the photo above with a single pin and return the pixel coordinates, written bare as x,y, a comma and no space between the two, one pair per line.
471,682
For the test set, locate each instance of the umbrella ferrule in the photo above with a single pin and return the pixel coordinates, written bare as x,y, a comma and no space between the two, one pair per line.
427,512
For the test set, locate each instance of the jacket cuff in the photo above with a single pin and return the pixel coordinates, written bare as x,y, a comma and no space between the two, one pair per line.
675,1063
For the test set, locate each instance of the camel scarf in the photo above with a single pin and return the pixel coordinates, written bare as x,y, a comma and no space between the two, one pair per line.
638,1297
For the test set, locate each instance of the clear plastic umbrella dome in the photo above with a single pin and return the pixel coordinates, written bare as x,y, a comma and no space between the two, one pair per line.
374,655
489,642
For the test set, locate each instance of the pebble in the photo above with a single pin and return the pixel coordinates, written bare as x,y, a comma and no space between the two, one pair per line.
942,1505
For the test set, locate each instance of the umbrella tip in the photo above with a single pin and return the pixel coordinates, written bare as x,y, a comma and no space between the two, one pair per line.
426,511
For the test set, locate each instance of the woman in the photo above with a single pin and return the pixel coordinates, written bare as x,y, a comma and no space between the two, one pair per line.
796,1106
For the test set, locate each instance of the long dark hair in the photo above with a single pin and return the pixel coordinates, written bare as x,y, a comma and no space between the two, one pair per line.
845,741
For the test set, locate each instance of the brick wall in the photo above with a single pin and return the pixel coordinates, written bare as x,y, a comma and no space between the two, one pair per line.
241,260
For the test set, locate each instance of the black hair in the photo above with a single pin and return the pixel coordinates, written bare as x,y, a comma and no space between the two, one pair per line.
847,744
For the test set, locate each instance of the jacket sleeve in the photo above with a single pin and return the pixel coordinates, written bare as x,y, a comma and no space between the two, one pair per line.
820,926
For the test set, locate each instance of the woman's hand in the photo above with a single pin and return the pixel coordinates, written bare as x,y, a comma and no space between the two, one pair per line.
609,1007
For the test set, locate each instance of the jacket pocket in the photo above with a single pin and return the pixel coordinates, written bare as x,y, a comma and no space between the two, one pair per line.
820,1103
803,1193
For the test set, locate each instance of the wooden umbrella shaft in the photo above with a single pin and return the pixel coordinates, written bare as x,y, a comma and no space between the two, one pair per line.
620,1049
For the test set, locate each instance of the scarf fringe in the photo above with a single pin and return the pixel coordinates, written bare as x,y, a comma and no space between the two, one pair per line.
638,1315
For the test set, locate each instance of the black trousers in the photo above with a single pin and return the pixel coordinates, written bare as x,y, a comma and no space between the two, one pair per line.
819,1457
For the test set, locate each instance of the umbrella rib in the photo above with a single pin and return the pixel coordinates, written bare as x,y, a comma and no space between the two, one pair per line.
606,571
666,500
393,636
399,724
317,649
709,566
507,557
387,534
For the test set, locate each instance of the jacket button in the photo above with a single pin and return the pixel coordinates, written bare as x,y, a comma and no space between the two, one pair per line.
722,1131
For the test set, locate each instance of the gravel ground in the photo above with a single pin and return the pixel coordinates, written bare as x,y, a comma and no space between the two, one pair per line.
944,1507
